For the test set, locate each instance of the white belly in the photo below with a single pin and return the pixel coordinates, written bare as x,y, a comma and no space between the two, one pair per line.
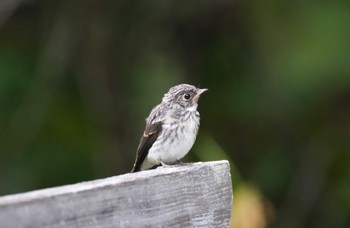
174,143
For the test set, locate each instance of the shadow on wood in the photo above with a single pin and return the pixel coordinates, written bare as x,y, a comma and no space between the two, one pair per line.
190,195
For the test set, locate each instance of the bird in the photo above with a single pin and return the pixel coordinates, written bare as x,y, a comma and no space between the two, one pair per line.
171,129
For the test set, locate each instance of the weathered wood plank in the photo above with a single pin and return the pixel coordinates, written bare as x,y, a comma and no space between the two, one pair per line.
191,195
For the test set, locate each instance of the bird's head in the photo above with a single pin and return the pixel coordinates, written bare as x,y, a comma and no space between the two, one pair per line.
184,95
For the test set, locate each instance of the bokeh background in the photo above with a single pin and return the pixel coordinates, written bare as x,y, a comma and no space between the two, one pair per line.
78,78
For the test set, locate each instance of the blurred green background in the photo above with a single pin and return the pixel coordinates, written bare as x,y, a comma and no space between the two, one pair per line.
78,78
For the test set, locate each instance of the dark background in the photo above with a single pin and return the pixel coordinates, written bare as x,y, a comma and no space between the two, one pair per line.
78,78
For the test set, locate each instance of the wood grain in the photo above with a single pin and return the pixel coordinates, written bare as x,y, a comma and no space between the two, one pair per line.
190,195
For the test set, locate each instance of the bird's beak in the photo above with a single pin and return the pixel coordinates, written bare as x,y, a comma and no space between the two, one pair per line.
200,91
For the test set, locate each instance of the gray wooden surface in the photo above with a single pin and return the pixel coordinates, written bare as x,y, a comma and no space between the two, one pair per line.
190,195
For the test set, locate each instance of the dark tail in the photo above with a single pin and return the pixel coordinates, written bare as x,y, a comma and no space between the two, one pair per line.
135,169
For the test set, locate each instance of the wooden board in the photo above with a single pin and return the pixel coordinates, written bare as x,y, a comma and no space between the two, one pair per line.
190,195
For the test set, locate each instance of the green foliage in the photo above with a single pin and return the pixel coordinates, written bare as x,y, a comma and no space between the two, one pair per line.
77,81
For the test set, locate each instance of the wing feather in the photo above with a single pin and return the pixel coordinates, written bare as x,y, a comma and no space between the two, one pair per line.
150,135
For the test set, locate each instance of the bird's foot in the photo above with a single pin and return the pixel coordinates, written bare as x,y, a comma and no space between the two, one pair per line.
178,162
165,165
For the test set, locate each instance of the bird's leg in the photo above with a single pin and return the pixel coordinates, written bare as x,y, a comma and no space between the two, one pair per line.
165,165
178,162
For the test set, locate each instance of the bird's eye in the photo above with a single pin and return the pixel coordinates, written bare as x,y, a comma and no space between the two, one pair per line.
187,96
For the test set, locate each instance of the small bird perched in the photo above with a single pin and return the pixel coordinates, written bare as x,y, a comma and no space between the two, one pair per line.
171,128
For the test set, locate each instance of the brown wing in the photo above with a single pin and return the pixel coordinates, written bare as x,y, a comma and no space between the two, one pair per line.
150,135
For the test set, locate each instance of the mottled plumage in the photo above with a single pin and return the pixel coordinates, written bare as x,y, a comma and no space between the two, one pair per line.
171,128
